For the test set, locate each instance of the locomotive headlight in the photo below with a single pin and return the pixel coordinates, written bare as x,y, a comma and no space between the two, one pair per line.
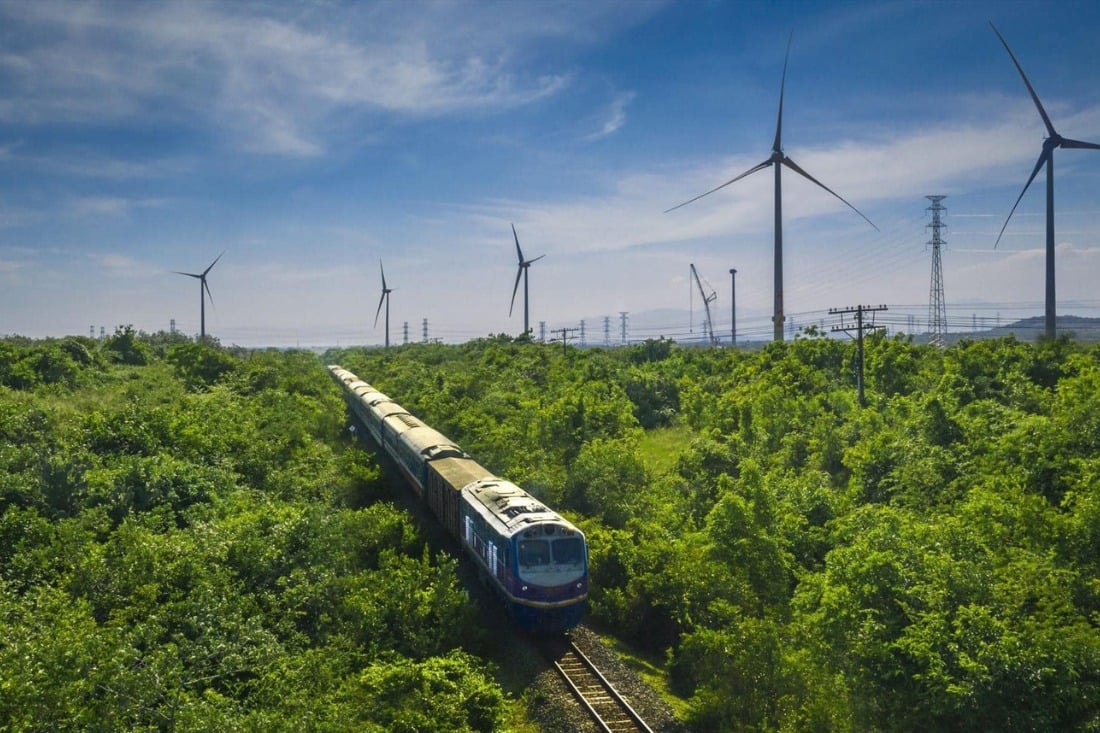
523,588
579,586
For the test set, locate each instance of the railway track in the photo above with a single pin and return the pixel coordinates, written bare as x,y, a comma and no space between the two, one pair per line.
599,697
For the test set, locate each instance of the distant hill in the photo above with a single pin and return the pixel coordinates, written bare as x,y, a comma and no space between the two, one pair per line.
1083,330
673,323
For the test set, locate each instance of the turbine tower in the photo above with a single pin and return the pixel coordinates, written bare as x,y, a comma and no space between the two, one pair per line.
524,265
779,159
937,309
733,306
1046,157
204,293
384,299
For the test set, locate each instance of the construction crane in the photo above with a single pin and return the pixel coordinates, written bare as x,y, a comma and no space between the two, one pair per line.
708,324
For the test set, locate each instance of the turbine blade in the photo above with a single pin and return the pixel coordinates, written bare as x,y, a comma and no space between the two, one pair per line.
515,289
778,145
380,300
189,274
794,167
1034,96
519,252
749,172
1043,156
383,271
208,269
1079,144
208,293
529,262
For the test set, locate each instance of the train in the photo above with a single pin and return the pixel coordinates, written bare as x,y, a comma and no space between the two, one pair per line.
535,560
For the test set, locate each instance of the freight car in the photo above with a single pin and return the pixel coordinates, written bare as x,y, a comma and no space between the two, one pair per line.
535,561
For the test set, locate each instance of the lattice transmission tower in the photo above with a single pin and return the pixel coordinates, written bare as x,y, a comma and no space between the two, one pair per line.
937,309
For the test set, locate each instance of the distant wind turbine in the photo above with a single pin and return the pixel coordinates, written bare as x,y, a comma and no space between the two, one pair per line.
1046,157
203,295
779,159
524,265
384,299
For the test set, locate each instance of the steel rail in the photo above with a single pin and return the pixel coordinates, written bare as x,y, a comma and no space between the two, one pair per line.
612,713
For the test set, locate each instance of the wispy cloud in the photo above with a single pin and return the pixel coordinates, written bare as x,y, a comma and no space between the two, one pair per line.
92,206
614,116
120,265
274,78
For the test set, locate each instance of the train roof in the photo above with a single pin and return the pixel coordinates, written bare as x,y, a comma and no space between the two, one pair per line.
369,394
341,373
508,506
392,409
460,471
429,442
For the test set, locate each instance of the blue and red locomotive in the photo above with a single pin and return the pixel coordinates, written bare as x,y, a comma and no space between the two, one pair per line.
535,560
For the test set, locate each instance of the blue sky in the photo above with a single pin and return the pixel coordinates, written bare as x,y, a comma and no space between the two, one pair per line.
310,140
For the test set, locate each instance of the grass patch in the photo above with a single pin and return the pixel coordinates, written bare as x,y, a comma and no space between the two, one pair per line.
651,668
661,448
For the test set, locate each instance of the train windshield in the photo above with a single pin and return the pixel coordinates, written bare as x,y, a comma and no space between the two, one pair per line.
534,552
568,551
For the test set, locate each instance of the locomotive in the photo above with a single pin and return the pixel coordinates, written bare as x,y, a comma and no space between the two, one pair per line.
535,560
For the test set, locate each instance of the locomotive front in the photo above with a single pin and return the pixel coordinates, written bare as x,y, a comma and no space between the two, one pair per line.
553,576
537,560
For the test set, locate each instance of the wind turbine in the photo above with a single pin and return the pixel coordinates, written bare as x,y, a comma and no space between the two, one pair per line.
1046,157
203,296
779,159
384,299
524,265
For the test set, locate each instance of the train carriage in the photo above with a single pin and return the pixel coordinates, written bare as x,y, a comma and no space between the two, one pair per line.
444,475
376,417
417,448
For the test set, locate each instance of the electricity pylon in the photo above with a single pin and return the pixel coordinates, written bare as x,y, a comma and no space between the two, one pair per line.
937,309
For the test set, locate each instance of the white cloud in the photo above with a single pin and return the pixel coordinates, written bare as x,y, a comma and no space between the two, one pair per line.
94,206
614,117
273,78
125,266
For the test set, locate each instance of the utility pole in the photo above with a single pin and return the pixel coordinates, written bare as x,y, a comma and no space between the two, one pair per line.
860,327
542,332
565,336
733,306
405,334
937,309
583,342
425,330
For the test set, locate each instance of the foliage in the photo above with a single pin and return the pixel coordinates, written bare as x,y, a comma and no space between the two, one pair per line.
193,542
928,562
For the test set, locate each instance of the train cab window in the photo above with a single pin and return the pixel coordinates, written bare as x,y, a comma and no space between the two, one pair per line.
568,551
534,552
